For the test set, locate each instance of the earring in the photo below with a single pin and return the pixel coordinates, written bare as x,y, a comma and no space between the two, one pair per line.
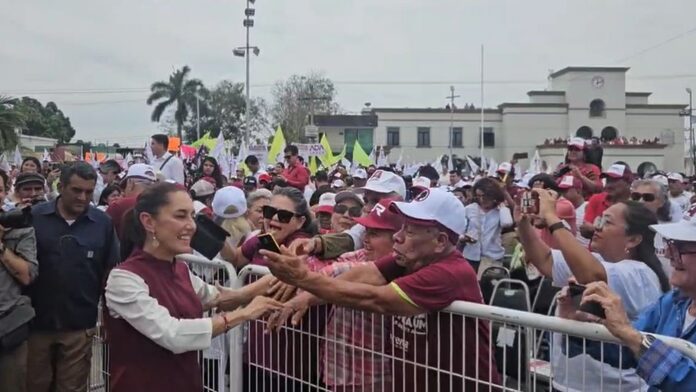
155,242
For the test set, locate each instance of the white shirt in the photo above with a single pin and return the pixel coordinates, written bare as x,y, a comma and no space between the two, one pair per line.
688,320
579,219
638,287
128,297
173,170
683,200
490,225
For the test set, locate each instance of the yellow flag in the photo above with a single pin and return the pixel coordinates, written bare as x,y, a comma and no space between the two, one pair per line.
328,157
359,155
277,147
205,140
313,165
339,157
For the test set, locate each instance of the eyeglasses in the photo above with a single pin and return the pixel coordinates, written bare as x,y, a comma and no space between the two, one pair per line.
676,250
354,212
647,197
284,216
371,200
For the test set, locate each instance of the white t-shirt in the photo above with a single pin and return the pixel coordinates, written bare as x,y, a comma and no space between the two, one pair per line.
579,219
638,287
683,200
688,320
173,170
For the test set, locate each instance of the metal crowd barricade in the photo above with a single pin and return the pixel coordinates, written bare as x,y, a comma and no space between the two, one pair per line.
338,349
218,372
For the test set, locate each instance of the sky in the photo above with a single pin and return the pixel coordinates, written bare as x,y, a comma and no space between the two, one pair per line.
97,59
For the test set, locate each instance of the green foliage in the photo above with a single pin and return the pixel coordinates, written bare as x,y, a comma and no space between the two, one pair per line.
179,92
10,119
34,119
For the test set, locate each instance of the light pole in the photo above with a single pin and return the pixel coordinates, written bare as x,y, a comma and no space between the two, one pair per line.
692,150
244,52
451,97
198,116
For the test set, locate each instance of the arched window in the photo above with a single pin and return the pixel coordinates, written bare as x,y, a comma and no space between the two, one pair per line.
609,134
597,108
584,132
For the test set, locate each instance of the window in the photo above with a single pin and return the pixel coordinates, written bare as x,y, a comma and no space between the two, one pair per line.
488,137
597,108
423,137
362,135
584,132
457,137
393,136
609,134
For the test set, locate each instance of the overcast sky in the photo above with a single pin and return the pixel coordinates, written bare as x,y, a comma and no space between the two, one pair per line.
67,47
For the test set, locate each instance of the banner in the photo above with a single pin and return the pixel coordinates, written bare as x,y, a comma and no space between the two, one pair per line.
311,150
260,151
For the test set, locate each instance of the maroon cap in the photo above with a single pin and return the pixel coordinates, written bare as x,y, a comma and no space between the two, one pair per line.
382,217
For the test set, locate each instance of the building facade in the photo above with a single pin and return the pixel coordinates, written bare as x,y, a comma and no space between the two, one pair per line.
579,101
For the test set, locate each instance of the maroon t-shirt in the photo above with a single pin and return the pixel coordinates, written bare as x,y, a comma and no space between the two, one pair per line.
435,339
117,209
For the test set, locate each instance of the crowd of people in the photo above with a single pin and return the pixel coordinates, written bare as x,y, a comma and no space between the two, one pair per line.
366,238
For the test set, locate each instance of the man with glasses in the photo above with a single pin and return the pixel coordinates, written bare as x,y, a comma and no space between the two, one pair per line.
381,185
295,174
76,249
108,174
424,275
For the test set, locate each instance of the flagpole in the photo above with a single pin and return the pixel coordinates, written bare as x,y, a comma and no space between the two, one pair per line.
482,106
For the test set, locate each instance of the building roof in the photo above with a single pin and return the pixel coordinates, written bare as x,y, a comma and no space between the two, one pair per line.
433,110
588,69
545,92
637,94
656,106
532,105
345,120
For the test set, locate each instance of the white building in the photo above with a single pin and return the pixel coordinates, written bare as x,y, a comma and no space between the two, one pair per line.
582,101
36,144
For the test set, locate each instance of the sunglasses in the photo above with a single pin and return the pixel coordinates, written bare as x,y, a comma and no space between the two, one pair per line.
284,216
647,197
677,249
354,212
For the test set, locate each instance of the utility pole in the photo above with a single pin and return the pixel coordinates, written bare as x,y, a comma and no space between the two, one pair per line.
243,51
198,117
692,143
311,129
451,130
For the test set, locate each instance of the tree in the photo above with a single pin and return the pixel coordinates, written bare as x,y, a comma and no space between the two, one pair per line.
292,102
44,121
179,91
222,109
10,120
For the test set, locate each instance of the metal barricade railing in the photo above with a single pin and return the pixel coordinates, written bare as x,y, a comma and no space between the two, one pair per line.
338,349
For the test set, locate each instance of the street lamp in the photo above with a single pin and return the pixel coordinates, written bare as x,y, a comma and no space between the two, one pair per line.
243,51
691,129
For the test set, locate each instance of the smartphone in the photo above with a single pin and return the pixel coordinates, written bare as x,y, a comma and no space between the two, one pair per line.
268,243
520,155
529,203
594,308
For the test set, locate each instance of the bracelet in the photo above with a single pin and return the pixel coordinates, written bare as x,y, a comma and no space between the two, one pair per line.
227,322
556,226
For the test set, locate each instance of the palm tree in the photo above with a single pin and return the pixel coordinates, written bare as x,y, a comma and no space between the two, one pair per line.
10,120
180,91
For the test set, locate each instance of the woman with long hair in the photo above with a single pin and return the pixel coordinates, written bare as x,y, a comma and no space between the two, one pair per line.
109,194
30,165
623,255
210,171
155,304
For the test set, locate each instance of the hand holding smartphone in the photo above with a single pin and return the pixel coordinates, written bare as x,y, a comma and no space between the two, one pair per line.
594,308
529,203
268,243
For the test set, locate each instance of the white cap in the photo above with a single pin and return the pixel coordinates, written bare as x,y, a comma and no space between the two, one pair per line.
360,173
229,202
346,195
616,170
338,184
435,205
504,167
680,231
675,177
382,181
577,142
202,188
421,182
326,203
141,171
524,181
661,179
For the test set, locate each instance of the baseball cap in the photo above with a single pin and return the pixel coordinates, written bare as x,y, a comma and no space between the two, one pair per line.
29,178
680,231
202,188
338,184
110,165
382,217
577,142
675,177
524,181
661,179
229,202
421,182
250,181
326,203
618,170
504,167
360,173
265,178
349,195
435,206
382,181
141,171
567,182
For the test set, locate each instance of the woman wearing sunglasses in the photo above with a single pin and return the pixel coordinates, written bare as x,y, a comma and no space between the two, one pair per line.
623,255
348,207
674,314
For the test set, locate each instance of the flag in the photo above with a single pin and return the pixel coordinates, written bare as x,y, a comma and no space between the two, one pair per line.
438,165
484,164
127,161
345,162
17,157
492,167
219,149
401,157
4,165
243,152
373,155
472,165
46,156
313,165
206,141
535,163
340,157
277,147
360,157
381,158
328,158
149,156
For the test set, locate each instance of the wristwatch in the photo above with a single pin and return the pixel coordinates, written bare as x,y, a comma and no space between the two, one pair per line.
645,344
556,226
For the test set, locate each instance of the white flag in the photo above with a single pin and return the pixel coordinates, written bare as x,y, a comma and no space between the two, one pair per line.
17,157
535,163
381,158
492,168
4,165
401,157
46,156
472,165
149,156
219,149
484,164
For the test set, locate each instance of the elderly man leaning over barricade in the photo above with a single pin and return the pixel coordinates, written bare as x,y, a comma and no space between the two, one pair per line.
424,275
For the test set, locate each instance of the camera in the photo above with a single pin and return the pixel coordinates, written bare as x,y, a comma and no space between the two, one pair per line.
16,219
529,203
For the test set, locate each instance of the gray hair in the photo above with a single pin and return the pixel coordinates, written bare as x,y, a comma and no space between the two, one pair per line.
257,195
664,213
